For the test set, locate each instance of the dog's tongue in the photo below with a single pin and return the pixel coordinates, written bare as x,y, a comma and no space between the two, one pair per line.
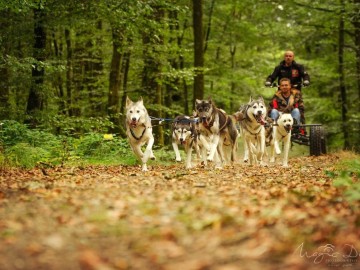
262,120
133,123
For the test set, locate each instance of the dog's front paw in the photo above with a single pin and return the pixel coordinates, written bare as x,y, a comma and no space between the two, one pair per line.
144,168
285,165
178,159
263,164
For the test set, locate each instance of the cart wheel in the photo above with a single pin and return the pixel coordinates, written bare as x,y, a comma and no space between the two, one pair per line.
323,142
317,141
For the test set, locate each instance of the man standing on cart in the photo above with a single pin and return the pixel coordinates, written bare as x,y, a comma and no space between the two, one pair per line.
288,68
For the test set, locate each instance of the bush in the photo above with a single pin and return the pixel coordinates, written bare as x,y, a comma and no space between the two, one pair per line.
347,177
23,147
12,132
25,156
95,149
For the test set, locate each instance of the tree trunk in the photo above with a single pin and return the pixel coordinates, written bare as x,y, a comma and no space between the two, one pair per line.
209,25
58,76
36,96
198,51
152,69
356,23
69,73
125,67
93,72
233,102
115,81
342,77
4,71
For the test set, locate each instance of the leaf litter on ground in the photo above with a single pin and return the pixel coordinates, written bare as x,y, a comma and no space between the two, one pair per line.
117,217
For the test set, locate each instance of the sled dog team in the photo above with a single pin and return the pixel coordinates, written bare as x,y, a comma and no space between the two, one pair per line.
213,134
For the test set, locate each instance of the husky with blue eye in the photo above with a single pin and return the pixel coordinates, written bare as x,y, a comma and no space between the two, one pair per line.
184,133
139,130
251,117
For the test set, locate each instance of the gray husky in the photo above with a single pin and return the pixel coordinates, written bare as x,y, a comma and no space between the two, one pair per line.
184,133
219,131
252,121
139,130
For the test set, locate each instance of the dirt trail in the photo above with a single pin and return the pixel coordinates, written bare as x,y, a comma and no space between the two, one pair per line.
241,217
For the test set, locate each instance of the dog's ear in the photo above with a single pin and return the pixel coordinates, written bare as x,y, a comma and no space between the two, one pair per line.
197,101
251,99
261,99
141,101
128,101
239,116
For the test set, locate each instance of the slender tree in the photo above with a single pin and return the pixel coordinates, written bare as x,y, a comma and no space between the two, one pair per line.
115,79
198,50
151,82
342,86
36,97
69,72
4,70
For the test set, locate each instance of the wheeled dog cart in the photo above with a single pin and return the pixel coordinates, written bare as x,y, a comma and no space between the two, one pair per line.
312,135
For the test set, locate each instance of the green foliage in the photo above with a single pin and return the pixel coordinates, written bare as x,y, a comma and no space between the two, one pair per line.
26,156
76,126
95,145
12,132
348,178
244,41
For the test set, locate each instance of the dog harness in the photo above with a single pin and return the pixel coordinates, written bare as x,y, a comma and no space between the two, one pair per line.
134,136
211,123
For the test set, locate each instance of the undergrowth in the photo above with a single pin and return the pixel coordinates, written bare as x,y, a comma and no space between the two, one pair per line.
347,175
27,148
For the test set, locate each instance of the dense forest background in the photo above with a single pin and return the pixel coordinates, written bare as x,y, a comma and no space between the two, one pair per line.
67,66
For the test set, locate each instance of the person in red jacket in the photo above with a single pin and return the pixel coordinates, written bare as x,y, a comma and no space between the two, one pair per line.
287,100
288,68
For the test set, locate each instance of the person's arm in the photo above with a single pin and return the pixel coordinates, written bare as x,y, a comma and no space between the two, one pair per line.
272,77
304,75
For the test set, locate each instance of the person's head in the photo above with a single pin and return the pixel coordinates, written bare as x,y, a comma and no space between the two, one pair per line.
289,57
285,85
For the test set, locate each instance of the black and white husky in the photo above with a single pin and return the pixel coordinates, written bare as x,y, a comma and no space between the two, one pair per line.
139,130
218,130
251,117
184,133
281,132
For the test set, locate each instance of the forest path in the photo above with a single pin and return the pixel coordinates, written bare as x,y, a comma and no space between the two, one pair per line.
241,217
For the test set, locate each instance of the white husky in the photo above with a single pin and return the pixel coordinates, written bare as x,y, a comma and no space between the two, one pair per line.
281,132
139,130
252,120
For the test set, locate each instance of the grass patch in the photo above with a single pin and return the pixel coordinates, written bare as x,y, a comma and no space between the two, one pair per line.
347,175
